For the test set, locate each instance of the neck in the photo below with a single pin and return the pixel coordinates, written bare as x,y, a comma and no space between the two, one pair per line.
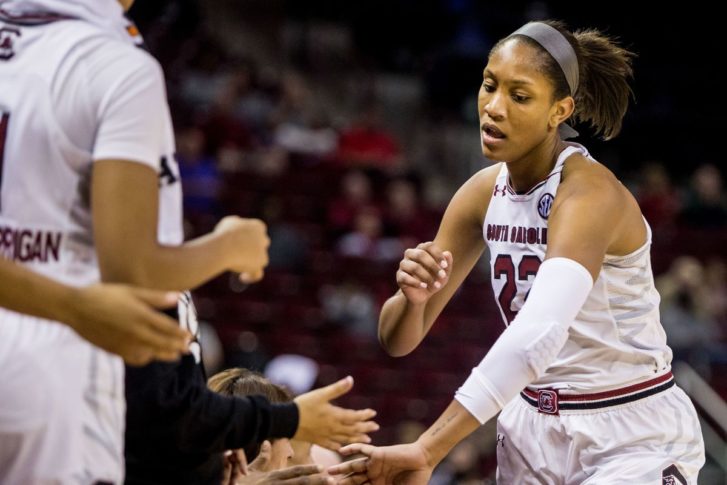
535,165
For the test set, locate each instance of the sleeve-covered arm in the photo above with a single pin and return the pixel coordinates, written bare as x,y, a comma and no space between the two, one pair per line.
531,342
173,399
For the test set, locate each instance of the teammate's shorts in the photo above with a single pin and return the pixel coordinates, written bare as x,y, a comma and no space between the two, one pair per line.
62,406
643,434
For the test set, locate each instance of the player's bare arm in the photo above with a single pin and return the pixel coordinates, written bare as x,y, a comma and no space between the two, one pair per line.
125,214
119,319
430,274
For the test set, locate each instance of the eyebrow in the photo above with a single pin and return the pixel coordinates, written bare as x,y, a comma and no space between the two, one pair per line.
512,81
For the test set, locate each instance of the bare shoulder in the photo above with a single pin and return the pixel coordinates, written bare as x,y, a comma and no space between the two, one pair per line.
474,195
580,173
591,181
482,182
590,188
466,211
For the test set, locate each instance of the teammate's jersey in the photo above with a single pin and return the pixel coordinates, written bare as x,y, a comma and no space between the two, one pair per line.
72,93
617,337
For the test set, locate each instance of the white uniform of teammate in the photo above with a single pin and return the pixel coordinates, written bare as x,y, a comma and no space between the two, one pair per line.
71,92
606,411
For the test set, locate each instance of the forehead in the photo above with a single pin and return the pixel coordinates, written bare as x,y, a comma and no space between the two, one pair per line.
516,60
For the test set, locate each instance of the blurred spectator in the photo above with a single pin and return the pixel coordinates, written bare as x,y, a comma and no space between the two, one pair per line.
222,126
255,105
200,178
706,205
355,194
716,285
366,239
296,103
351,306
404,217
288,247
658,199
691,331
368,144
314,137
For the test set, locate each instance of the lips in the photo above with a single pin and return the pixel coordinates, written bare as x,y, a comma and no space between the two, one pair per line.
492,131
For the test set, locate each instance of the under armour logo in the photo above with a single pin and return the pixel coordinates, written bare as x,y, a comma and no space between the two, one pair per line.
7,37
500,440
497,190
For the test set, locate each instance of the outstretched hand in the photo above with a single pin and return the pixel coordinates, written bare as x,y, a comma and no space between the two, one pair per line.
399,465
331,426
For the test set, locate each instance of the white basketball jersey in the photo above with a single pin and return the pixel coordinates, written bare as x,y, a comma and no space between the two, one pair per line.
71,93
617,337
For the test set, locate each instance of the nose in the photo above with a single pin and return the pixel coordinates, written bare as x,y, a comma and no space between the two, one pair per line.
494,105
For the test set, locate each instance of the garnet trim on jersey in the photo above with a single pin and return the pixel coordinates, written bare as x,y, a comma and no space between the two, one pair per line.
533,189
568,402
31,19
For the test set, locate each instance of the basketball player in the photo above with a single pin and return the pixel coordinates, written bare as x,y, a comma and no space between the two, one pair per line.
582,371
90,190
119,319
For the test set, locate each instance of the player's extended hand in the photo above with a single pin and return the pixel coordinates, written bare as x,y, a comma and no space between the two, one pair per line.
330,426
246,246
399,465
423,271
262,463
235,466
122,320
295,475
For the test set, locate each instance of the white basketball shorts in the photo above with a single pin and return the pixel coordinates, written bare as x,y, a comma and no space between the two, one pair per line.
62,406
648,433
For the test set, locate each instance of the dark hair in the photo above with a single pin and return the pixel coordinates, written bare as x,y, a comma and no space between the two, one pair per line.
604,70
242,382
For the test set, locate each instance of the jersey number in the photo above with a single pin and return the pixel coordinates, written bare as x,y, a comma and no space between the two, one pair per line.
504,266
4,119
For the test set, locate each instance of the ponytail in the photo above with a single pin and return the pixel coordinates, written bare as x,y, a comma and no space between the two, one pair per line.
604,71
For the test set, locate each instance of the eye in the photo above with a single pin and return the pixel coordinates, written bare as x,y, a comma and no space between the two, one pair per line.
488,87
519,98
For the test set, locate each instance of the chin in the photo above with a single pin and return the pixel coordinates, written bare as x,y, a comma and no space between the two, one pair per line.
495,156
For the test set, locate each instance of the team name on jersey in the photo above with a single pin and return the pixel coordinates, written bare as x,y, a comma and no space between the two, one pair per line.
516,234
28,246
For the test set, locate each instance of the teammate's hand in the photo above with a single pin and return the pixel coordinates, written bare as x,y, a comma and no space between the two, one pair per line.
295,475
246,246
400,464
262,463
235,467
123,320
423,271
330,426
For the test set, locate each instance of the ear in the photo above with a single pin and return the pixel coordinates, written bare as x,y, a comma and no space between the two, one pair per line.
561,111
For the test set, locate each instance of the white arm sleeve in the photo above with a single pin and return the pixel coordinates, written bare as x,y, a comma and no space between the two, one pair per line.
531,342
